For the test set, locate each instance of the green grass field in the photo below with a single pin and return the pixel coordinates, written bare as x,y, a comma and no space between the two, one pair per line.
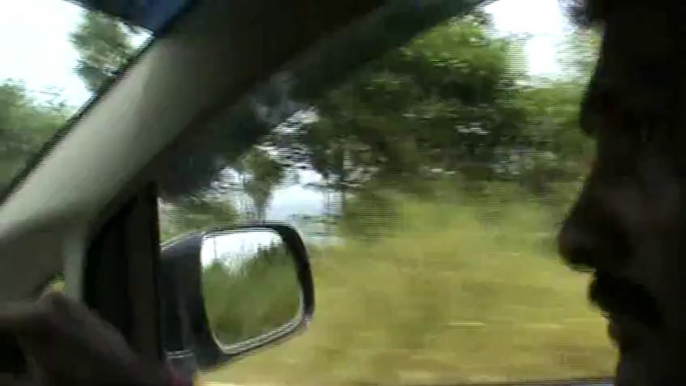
455,293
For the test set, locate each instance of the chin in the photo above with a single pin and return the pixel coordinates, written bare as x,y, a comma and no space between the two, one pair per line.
633,343
649,363
629,374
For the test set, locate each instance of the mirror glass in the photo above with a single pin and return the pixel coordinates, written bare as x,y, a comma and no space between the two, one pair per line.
250,284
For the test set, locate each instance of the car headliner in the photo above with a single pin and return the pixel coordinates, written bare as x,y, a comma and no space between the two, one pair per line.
152,15
214,54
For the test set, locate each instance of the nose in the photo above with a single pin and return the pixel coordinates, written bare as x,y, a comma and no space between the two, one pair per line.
577,240
591,237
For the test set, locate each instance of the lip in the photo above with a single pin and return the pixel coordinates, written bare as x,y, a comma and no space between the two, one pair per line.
614,330
627,334
628,305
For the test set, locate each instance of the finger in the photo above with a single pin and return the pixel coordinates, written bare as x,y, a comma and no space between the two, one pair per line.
21,318
54,298
36,317
66,314
60,304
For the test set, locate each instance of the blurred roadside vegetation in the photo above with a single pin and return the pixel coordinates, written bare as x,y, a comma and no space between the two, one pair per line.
459,291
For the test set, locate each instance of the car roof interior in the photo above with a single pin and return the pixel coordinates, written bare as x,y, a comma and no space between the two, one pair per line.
213,54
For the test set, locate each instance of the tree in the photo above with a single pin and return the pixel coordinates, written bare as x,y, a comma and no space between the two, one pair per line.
104,47
260,174
455,101
579,53
194,214
26,124
554,150
557,151
440,104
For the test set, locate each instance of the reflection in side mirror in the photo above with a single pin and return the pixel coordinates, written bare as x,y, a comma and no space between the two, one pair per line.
250,285
228,292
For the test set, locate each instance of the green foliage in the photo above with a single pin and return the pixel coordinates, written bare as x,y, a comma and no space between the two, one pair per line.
454,101
441,102
251,297
194,213
104,46
452,107
580,53
26,123
260,174
369,214
556,149
458,290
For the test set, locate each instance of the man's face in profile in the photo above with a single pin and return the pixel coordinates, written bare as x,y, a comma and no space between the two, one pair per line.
628,226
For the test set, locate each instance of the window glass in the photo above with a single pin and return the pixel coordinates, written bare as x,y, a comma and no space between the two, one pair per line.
428,183
58,56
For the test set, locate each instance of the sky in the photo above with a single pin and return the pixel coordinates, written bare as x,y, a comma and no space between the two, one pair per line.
236,244
34,40
34,37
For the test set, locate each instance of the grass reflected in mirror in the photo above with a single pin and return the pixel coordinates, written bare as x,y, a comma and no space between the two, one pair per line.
255,296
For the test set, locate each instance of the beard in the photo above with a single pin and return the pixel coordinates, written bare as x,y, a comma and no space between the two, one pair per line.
651,343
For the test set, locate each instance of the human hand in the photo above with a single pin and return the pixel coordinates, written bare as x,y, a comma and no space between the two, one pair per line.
66,344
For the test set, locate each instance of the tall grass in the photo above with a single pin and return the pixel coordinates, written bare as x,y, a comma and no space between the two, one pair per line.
453,292
258,296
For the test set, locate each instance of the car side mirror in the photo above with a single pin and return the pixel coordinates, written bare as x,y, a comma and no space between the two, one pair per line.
230,291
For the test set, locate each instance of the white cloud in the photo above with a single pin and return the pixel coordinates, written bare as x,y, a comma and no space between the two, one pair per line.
36,48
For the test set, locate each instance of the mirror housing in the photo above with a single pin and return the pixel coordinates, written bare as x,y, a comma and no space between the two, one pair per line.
189,341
